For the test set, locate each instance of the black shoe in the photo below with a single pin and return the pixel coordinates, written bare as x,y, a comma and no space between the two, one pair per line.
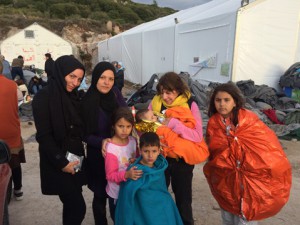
18,194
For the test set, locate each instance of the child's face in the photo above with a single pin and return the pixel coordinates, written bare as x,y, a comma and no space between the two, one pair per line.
149,155
28,98
150,116
224,103
122,128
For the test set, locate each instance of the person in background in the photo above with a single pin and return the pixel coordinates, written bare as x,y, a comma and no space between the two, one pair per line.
120,150
100,101
119,79
6,67
248,172
120,76
115,64
56,112
10,130
22,87
35,84
146,200
49,65
83,86
173,92
32,68
17,68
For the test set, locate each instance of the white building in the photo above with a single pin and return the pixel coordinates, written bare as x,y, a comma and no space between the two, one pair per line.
217,41
33,43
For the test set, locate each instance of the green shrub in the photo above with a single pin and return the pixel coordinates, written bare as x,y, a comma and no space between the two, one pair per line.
63,10
98,15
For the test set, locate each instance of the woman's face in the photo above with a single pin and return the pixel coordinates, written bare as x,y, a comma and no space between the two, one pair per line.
73,80
169,96
224,103
105,81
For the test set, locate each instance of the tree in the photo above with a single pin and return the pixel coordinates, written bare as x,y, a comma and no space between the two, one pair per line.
155,3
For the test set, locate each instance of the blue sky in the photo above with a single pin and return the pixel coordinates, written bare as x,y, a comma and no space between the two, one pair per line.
175,4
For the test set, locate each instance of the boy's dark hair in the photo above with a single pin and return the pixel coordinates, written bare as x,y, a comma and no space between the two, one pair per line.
149,139
122,112
235,93
140,113
48,55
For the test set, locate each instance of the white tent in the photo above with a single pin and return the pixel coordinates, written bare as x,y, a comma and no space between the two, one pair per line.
267,41
217,41
32,43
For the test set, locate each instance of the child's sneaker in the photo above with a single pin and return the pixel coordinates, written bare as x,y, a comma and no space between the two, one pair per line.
18,194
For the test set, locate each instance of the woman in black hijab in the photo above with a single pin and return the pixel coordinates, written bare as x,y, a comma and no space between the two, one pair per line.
98,104
59,130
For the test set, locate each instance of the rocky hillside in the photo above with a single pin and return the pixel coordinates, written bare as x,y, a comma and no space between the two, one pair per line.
81,22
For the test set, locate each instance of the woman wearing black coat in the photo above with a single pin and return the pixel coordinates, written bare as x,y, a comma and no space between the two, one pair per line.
101,100
59,129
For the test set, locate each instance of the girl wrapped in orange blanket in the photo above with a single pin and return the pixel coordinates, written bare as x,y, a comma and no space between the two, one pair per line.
248,172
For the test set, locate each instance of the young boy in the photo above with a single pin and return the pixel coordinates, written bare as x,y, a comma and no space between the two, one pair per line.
172,143
147,200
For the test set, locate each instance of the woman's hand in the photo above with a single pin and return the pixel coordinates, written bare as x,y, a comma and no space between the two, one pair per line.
104,143
133,173
166,121
131,160
70,167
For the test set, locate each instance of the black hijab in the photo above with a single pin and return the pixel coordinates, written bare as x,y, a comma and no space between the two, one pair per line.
64,105
94,100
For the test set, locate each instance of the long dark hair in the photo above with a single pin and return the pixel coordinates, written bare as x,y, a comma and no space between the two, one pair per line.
171,81
122,112
235,93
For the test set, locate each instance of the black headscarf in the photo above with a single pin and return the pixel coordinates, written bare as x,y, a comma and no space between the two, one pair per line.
94,100
64,105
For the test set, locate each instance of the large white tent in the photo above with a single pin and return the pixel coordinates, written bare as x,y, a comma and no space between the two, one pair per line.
217,41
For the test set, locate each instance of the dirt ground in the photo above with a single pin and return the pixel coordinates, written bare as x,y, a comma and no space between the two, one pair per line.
39,209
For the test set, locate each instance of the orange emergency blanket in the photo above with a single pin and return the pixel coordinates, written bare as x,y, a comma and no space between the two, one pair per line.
248,171
176,146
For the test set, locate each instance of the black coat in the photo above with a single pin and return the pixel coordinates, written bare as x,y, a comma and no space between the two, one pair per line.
52,153
119,79
49,67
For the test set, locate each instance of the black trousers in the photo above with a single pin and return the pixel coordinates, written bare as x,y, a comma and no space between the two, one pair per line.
112,207
180,175
99,210
17,177
74,207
